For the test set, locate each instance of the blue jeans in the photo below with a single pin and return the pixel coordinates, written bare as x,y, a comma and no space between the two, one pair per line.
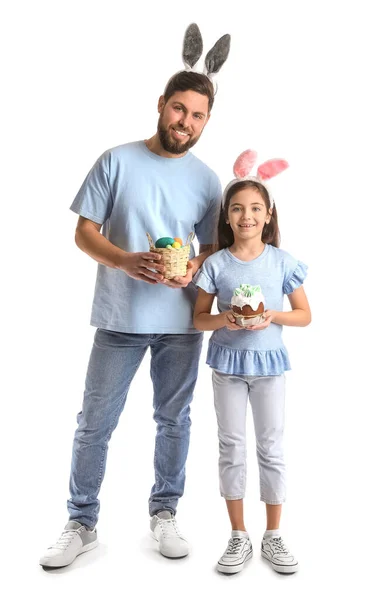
114,360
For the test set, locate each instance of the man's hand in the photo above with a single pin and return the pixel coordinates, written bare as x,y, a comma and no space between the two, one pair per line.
138,265
180,282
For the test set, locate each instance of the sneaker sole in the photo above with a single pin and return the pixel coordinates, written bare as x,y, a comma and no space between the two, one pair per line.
54,563
286,569
164,553
234,568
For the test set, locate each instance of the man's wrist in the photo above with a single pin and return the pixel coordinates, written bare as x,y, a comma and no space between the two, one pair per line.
120,259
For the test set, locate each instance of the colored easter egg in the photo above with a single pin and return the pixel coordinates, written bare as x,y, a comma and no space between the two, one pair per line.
169,247
176,245
163,242
179,240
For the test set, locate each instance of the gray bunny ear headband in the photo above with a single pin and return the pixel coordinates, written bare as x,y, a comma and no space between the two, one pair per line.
193,49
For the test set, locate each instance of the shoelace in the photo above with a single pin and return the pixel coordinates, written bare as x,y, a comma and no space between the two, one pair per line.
65,539
169,528
234,545
278,546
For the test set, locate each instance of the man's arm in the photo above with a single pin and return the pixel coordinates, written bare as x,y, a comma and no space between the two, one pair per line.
89,239
135,264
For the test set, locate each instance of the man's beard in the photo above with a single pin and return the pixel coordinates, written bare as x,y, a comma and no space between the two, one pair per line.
171,145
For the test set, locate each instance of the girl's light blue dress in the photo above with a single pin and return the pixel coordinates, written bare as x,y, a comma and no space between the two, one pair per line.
246,352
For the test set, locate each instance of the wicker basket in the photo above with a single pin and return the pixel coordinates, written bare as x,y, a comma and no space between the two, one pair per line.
174,259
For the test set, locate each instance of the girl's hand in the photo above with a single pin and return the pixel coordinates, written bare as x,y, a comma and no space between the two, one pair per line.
269,316
230,321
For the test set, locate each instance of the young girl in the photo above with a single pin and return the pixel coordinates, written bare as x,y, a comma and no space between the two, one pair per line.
249,362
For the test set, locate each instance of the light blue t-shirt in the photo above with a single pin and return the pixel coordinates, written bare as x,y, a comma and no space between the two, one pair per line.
250,352
132,191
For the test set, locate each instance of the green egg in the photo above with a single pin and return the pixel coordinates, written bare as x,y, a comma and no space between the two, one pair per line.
164,242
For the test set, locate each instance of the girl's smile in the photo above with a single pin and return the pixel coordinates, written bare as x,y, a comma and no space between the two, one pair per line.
247,213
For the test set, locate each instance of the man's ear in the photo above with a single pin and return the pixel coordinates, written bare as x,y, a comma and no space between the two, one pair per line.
161,104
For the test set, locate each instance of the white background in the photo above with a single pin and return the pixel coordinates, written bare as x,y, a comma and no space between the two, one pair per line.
80,77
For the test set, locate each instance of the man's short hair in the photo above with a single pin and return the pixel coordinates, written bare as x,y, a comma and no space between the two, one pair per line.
190,80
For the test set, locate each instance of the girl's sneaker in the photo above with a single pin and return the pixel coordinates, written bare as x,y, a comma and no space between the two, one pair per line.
274,550
238,552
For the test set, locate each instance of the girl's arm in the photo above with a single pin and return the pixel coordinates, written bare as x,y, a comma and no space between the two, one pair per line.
299,316
204,321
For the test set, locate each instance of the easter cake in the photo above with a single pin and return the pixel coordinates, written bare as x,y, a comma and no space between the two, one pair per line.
247,304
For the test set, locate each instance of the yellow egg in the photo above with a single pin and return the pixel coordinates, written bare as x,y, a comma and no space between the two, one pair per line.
176,245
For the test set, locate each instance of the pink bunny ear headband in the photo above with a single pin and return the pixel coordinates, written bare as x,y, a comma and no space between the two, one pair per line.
243,166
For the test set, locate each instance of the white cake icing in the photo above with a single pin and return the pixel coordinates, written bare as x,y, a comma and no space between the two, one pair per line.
247,295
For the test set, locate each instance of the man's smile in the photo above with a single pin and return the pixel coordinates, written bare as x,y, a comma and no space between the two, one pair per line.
178,133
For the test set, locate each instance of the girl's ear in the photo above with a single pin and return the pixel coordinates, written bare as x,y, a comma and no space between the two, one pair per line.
269,216
244,163
193,46
218,54
272,167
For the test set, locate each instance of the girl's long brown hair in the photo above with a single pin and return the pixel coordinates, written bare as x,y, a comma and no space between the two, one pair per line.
270,233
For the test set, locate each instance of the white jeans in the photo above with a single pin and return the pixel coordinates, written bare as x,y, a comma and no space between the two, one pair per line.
267,399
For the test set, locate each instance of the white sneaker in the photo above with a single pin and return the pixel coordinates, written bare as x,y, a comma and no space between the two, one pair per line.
164,529
238,552
274,550
74,540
